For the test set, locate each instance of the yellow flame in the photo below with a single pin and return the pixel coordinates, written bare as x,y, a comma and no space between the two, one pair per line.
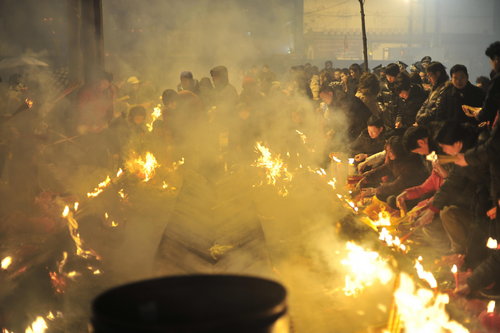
491,306
390,240
276,169
155,115
122,194
38,326
336,159
6,262
422,310
454,269
333,183
29,102
75,206
73,231
114,224
51,316
425,275
100,188
364,268
384,219
492,243
144,167
106,215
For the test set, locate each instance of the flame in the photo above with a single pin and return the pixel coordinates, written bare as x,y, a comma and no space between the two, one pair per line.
424,275
114,224
29,102
384,220
422,310
121,193
390,240
303,137
155,115
454,269
119,173
365,268
350,203
73,231
100,188
106,215
143,167
6,262
335,158
491,306
38,326
333,183
492,243
276,169
75,206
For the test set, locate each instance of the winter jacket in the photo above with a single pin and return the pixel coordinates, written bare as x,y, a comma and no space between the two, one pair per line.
366,145
407,109
430,185
492,101
449,104
427,112
404,172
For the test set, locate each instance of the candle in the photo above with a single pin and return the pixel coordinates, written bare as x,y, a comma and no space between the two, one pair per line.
490,319
454,270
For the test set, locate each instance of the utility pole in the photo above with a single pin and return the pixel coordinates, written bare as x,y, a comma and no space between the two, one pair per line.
363,31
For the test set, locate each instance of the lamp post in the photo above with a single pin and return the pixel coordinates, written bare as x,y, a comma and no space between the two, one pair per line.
363,31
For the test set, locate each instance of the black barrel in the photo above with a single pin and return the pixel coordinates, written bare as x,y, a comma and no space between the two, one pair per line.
193,304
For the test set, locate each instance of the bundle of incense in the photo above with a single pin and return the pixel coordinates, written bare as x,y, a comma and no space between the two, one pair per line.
441,159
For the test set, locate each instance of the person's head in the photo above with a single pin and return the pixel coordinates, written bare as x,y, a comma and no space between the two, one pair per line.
219,76
483,82
328,64
416,140
336,74
369,84
459,76
453,137
426,61
326,94
402,85
394,148
436,73
391,71
355,71
402,66
205,84
344,75
133,82
375,127
493,52
169,98
187,79
415,78
137,115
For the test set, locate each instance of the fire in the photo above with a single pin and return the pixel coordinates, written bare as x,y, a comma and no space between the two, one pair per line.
365,268
390,240
335,158
75,206
424,275
422,310
155,115
492,243
29,102
119,173
6,262
454,269
350,203
38,326
73,231
143,167
276,169
100,188
384,219
333,183
491,306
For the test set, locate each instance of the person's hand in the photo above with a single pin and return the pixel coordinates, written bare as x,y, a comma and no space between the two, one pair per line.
471,111
426,218
492,213
460,160
401,201
462,290
360,157
439,169
362,166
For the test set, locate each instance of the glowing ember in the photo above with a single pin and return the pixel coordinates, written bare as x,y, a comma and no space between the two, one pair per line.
276,169
155,115
144,167
422,310
6,262
38,326
492,243
365,268
491,306
29,102
424,275
100,188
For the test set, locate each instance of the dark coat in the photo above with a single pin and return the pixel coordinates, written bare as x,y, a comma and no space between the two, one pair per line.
486,273
427,112
492,101
407,109
364,144
356,114
405,172
449,104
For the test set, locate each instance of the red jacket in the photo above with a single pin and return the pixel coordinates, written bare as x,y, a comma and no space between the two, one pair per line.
431,184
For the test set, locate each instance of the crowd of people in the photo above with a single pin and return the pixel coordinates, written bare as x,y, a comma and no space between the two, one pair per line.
391,120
